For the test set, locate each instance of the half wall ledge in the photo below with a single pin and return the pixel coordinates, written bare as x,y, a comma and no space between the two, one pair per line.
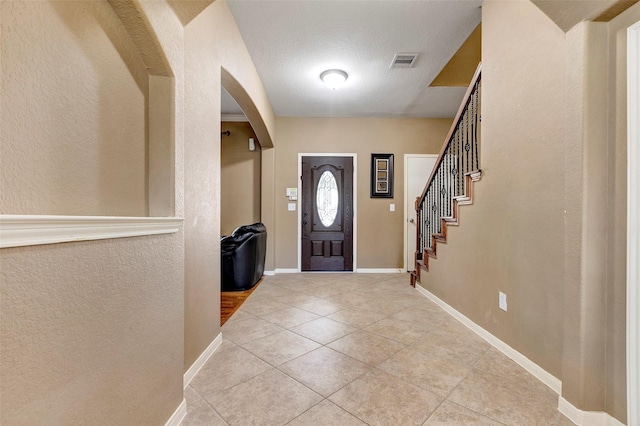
30,230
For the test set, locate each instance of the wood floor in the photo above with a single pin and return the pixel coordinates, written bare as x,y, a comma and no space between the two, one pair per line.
230,301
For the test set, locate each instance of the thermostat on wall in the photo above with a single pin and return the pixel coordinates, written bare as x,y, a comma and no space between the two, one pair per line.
292,193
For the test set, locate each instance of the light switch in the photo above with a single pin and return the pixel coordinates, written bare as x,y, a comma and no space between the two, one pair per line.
291,207
392,207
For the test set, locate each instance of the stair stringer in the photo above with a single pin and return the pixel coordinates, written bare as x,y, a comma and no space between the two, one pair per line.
453,220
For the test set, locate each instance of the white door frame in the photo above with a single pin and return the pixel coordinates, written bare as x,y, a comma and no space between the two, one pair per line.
406,198
633,224
355,201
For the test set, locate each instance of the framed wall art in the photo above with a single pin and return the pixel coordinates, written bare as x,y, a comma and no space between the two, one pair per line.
381,175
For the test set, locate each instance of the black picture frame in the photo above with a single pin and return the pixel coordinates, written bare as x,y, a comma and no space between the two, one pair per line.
381,176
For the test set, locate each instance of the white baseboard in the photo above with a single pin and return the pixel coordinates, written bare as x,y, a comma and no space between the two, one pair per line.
286,271
269,273
548,379
586,418
380,270
201,361
178,416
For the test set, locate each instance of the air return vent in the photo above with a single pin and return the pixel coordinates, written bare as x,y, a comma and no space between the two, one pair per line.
404,60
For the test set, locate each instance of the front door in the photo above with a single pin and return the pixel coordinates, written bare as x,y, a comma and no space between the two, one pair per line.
327,214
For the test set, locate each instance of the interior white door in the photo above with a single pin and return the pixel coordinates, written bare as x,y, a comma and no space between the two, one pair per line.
417,169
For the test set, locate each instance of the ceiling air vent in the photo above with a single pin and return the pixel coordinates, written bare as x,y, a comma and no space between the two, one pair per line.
404,60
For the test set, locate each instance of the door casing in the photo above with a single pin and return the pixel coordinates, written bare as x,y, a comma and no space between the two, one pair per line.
355,202
633,224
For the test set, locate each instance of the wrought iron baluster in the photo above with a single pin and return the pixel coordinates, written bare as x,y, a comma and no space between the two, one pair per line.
467,146
476,100
460,156
447,179
459,160
430,211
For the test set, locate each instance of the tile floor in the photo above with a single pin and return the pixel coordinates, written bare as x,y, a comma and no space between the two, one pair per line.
358,349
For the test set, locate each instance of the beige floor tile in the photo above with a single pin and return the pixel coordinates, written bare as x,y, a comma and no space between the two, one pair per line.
245,331
380,305
324,370
270,399
366,347
226,344
293,284
429,320
323,291
323,330
261,305
199,412
465,346
290,317
378,398
439,376
296,299
356,317
326,414
398,330
452,414
227,368
399,360
271,291
240,315
350,298
321,306
513,400
426,304
280,347
494,361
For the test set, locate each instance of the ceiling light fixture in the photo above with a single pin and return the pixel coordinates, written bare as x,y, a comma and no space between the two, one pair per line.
334,78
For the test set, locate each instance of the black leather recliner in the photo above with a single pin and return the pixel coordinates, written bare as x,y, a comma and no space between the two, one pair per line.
243,254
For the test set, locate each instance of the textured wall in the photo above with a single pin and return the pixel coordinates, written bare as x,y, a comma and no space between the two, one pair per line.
212,41
91,333
510,239
73,121
239,178
378,246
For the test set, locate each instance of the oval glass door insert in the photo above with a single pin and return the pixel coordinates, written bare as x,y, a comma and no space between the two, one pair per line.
327,198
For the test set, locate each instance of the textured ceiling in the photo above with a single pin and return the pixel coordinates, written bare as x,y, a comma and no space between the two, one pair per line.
292,42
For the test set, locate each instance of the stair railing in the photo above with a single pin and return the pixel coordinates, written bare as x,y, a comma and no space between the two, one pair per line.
448,186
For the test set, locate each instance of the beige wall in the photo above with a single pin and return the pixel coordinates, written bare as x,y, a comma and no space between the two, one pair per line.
91,330
212,42
377,246
101,332
548,222
74,93
240,178
510,239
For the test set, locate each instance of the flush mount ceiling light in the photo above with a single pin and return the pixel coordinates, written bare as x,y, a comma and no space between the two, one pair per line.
334,78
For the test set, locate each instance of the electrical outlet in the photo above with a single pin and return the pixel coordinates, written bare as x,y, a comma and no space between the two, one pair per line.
502,301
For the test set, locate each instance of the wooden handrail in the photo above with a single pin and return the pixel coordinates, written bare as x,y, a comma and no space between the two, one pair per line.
450,184
456,121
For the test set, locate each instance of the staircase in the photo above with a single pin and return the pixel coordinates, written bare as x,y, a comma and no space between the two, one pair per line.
451,182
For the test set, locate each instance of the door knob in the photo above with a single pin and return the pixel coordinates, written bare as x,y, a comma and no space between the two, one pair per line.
412,220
